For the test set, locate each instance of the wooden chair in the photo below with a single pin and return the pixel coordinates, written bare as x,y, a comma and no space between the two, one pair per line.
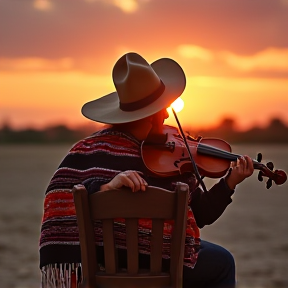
156,204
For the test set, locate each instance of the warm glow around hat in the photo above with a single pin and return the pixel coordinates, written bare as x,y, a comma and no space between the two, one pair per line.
177,105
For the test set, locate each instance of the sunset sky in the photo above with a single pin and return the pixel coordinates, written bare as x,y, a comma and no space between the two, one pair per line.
57,55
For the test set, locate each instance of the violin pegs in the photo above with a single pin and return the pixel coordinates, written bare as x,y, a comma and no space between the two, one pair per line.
259,157
269,183
260,177
270,165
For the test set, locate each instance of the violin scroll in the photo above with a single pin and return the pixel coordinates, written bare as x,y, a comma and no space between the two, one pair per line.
278,176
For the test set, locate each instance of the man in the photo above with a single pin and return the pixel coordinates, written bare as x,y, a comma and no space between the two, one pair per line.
111,158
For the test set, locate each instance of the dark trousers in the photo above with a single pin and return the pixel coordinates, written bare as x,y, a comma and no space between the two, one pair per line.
215,267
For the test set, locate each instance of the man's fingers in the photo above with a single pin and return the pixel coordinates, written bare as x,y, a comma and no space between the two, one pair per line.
141,182
136,182
249,165
245,165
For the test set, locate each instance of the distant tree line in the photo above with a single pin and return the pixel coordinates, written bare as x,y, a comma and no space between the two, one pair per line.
53,134
275,132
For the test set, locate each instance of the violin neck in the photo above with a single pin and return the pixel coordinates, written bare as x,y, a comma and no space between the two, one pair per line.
208,150
222,154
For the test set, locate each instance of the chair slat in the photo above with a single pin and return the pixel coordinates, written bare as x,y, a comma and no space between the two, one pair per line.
109,246
156,246
132,245
159,201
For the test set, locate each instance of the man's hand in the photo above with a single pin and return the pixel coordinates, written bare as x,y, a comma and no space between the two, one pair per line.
240,170
129,178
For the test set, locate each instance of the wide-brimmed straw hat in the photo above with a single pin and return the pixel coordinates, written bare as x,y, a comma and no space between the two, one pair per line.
141,90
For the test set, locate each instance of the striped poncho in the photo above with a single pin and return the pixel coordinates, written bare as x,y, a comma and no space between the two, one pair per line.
94,161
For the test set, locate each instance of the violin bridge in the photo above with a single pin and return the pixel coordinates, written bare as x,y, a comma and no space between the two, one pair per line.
170,145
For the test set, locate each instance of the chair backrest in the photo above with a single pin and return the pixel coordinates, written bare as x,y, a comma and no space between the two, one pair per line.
156,204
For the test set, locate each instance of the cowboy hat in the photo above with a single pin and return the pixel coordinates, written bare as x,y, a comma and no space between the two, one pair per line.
141,90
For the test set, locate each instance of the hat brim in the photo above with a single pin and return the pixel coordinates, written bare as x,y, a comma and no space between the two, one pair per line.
106,109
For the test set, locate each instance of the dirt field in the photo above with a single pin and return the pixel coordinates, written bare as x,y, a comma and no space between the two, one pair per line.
254,227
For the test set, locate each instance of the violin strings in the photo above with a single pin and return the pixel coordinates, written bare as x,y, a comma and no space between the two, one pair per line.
216,152
219,153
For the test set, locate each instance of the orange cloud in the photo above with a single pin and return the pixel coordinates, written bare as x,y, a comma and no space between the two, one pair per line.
196,52
127,6
36,64
43,5
268,59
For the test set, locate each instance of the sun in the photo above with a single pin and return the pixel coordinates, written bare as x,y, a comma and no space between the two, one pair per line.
177,105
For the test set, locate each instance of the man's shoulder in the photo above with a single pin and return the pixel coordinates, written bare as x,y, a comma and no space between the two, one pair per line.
104,138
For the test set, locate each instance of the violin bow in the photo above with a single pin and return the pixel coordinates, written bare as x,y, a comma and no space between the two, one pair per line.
195,168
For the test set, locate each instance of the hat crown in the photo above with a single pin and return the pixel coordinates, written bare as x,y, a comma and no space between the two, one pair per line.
134,78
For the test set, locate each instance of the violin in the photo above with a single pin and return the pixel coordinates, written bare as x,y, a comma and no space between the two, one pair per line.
167,155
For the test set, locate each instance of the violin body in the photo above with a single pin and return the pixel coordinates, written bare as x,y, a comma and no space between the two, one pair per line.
163,163
167,155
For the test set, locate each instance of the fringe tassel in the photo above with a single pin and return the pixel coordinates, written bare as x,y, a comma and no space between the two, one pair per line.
65,275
